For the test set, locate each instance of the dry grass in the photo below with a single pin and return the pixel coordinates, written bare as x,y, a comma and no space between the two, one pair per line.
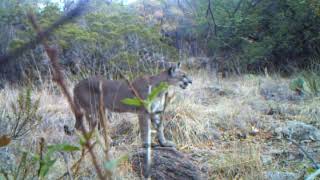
205,121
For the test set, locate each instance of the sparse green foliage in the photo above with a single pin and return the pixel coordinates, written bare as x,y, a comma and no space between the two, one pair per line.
48,161
297,85
132,102
31,165
150,99
25,116
307,83
112,164
312,83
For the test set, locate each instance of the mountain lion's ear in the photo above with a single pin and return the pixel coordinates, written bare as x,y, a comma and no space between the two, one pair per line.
172,71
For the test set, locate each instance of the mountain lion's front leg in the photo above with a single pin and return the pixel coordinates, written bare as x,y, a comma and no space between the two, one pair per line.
158,123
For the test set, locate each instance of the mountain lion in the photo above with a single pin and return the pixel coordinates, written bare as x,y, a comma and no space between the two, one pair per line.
87,93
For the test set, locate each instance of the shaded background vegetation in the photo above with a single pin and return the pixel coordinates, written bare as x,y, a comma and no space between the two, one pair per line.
243,35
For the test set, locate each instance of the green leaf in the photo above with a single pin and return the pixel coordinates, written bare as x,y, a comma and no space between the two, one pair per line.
82,141
45,167
132,102
59,147
112,164
84,137
311,170
35,157
63,147
157,90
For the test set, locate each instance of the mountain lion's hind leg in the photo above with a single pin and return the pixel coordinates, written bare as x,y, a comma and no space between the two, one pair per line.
158,124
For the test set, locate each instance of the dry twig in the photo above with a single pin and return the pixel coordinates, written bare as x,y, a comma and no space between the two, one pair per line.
106,127
58,78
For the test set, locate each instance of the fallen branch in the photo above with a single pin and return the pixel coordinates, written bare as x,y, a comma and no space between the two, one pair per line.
314,163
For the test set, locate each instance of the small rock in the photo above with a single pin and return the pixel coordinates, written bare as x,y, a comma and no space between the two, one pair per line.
167,163
278,92
241,135
266,159
277,175
260,106
219,91
7,161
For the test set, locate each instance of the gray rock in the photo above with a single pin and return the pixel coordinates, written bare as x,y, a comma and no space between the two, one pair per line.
298,131
7,161
219,91
277,175
266,159
278,92
260,105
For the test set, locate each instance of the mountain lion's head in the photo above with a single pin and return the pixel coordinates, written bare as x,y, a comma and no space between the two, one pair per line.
177,76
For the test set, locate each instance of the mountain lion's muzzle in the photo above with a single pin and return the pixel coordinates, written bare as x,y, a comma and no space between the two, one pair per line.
185,81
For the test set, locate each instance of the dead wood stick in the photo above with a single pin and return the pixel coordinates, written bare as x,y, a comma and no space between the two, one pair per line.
58,78
66,160
106,126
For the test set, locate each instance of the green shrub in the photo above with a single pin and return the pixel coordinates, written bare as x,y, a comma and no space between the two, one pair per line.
308,83
24,116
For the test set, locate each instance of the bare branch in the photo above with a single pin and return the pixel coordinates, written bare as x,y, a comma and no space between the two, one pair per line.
209,11
58,78
66,160
237,8
106,127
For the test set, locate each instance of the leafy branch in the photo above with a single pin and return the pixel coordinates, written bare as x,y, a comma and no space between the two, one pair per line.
146,103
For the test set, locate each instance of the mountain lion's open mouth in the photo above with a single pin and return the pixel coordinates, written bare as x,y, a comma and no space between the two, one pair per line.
184,83
183,86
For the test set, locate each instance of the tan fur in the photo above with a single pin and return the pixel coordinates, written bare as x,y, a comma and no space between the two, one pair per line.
87,93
